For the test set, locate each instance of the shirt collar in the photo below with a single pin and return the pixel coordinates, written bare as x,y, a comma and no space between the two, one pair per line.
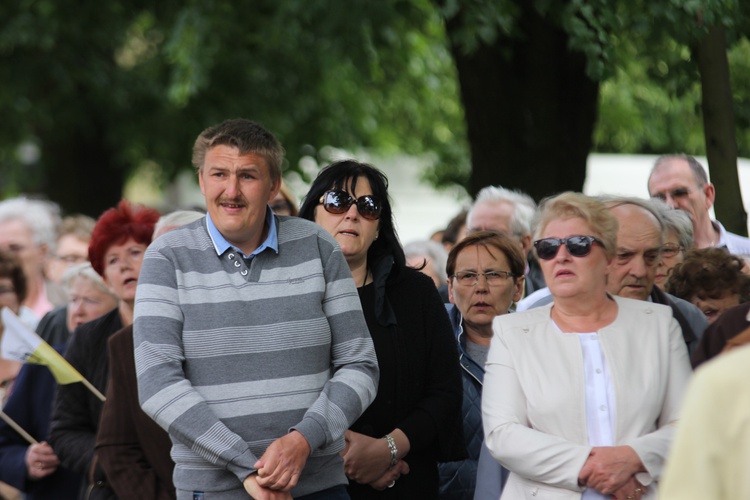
221,245
722,234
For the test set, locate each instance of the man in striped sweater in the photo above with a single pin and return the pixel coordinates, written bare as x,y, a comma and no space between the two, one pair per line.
251,349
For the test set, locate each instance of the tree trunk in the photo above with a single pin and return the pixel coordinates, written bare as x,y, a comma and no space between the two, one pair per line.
82,172
530,109
719,130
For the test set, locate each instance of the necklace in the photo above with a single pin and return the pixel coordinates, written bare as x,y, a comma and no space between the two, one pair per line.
364,282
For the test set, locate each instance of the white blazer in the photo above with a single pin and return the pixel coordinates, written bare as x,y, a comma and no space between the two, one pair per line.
533,401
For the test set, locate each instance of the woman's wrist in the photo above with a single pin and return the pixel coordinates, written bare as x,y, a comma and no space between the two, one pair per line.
392,449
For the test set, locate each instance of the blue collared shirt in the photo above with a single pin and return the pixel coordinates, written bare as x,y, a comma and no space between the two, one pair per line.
222,245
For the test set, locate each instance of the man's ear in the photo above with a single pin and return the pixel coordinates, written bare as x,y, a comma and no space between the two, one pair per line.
518,288
710,193
275,187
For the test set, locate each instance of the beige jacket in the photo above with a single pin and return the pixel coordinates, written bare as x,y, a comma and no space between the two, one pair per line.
533,404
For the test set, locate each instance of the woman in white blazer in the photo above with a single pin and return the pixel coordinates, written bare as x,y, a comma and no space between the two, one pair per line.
581,396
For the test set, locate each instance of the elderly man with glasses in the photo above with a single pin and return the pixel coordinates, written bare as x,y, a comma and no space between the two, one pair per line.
681,182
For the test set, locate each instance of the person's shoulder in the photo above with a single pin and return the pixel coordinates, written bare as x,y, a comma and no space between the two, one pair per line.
292,228
186,235
736,315
727,368
122,336
524,320
97,324
635,309
538,298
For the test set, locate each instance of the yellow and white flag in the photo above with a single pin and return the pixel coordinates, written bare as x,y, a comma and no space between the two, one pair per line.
19,343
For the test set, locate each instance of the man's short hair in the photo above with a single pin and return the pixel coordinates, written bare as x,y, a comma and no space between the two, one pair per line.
647,205
245,135
524,207
699,173
41,217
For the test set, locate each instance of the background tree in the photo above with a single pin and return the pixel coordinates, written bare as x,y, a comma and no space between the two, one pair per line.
92,92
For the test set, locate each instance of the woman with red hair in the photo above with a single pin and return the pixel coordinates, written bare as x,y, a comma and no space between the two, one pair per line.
116,250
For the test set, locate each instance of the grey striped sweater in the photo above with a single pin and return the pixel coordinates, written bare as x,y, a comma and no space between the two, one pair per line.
230,357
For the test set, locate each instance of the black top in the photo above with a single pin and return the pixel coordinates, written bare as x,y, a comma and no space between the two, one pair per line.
53,328
420,383
76,411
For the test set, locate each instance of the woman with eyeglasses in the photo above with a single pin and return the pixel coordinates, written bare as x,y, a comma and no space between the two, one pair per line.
581,396
393,449
486,276
678,239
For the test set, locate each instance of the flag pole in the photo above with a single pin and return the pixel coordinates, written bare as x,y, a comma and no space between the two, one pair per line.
94,390
18,428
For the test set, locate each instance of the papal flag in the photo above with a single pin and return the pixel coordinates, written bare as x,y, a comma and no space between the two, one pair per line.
21,344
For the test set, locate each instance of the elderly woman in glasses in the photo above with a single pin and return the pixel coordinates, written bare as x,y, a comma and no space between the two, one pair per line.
486,275
678,239
581,396
393,449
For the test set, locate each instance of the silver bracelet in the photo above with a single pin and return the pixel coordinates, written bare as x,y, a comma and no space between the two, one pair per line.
392,447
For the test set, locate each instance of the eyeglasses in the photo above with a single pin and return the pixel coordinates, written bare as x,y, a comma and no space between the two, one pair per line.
670,250
578,246
338,202
675,194
72,259
493,278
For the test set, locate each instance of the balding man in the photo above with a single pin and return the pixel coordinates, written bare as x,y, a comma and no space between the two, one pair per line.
640,237
681,182
510,213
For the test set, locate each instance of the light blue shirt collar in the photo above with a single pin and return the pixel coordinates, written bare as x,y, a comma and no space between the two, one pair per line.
221,245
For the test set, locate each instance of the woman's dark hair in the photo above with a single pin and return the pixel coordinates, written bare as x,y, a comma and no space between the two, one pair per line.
709,273
10,267
338,175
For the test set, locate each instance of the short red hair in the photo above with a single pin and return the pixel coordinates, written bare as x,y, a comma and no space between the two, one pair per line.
116,226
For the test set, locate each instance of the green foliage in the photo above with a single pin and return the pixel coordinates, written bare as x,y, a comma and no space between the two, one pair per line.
149,78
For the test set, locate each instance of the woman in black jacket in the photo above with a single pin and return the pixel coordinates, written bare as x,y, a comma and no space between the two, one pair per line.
118,243
393,449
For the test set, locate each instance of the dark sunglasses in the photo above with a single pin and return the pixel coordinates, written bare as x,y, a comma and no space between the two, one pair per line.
578,246
338,202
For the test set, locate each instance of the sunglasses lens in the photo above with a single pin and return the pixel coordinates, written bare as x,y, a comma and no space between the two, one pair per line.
368,207
578,246
337,202
547,248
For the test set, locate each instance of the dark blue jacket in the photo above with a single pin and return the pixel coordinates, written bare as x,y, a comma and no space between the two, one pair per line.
458,479
30,406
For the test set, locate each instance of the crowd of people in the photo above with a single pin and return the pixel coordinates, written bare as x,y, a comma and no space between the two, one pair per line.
266,350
